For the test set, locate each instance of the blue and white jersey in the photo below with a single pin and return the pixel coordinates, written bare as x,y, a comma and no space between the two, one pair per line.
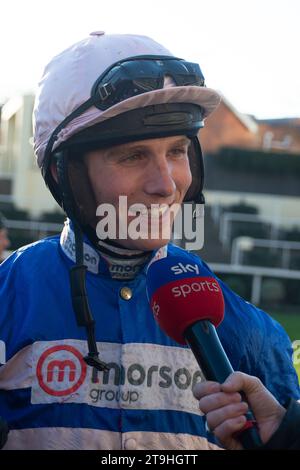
53,400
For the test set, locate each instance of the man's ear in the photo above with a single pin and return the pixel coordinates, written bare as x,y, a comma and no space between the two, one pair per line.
53,170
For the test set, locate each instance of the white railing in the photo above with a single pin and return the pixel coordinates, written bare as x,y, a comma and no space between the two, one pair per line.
226,219
242,244
6,198
257,273
42,228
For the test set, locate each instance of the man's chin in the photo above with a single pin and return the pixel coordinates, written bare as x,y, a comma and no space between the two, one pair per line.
144,244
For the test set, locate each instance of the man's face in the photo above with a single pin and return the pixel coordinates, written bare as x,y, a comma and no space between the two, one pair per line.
4,241
148,172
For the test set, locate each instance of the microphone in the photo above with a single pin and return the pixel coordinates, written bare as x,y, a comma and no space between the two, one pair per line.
188,304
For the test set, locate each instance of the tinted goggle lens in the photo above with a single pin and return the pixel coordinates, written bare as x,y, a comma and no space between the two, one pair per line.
134,77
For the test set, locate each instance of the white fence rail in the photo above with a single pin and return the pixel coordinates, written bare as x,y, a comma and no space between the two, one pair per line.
226,220
242,244
257,273
41,228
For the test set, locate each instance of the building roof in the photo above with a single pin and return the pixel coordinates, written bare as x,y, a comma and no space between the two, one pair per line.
248,121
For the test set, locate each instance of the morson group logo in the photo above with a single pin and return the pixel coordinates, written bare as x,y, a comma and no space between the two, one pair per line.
150,376
61,370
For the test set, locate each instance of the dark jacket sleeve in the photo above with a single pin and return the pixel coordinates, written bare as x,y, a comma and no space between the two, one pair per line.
287,435
3,432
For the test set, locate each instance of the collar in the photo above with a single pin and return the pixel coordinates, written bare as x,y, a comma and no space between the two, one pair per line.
96,263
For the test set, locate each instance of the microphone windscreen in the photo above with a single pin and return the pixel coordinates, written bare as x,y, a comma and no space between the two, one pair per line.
182,292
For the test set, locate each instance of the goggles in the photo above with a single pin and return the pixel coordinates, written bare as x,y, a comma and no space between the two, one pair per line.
131,77
142,74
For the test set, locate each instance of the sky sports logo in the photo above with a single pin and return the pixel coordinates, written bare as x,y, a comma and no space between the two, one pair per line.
180,268
196,286
200,284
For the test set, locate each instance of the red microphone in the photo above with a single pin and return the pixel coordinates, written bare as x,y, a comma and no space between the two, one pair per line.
176,304
187,302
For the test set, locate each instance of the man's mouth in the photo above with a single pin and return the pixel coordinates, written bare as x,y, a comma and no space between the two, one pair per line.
155,210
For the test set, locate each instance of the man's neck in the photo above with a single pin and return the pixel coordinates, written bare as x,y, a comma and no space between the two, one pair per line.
123,263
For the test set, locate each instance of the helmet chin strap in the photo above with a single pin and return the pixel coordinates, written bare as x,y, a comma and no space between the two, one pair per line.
80,303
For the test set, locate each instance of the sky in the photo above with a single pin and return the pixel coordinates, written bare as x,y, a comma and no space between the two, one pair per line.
247,49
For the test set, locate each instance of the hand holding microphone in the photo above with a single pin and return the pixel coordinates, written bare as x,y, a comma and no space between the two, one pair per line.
188,304
225,412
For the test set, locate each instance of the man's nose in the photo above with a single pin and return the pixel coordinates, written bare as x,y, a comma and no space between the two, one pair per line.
160,179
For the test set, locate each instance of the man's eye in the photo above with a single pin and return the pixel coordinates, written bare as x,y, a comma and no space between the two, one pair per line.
179,151
133,157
